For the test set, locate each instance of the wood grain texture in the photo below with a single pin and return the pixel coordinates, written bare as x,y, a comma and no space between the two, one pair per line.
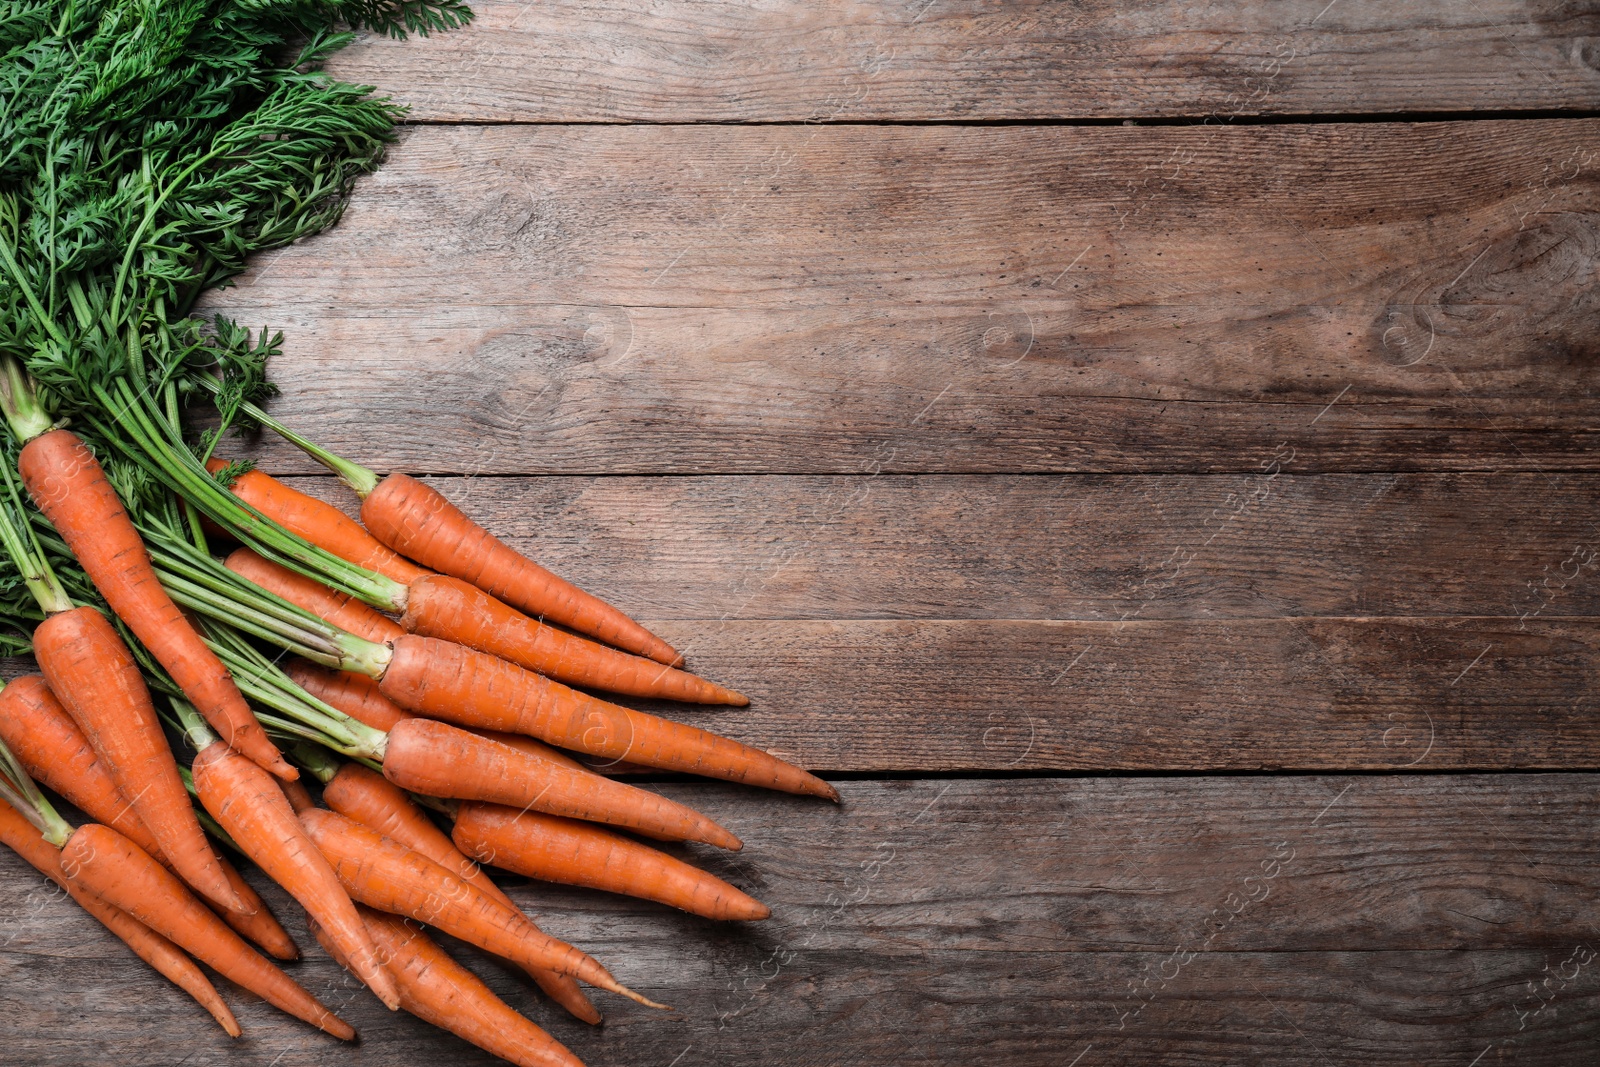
1411,920
1241,694
922,299
1089,547
959,60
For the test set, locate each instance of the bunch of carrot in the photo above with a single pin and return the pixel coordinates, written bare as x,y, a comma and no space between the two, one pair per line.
210,640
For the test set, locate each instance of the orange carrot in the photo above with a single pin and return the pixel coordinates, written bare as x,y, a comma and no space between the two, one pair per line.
344,611
444,607
354,694
376,803
577,853
470,688
157,951
52,749
114,869
384,874
436,759
438,990
452,610
414,519
320,523
251,807
95,677
67,483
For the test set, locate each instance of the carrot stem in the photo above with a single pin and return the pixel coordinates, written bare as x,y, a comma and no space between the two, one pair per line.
360,480
18,790
145,443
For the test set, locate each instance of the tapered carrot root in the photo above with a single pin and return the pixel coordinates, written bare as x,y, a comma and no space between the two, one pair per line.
94,676
148,945
114,869
384,874
416,521
470,688
67,483
378,804
52,749
438,990
438,760
320,523
576,853
354,694
453,610
253,809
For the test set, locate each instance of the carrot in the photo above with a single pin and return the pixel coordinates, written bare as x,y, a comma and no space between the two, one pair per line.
436,759
438,990
95,677
354,694
373,801
114,869
54,751
576,853
470,688
414,519
251,807
167,958
320,523
67,483
384,874
452,610
341,609
448,608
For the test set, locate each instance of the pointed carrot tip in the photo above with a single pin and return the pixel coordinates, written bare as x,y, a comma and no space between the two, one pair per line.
738,700
724,840
284,770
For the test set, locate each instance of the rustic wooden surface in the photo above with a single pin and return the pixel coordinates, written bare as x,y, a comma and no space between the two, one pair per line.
961,60
1358,920
860,299
1092,501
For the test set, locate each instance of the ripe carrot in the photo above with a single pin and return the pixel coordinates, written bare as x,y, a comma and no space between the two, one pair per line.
320,523
114,869
384,874
251,807
95,677
52,749
452,610
448,608
452,682
148,945
436,759
577,853
354,694
70,488
344,611
416,520
438,990
376,803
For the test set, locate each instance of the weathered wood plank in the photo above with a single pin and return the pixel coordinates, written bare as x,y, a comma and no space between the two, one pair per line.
1400,920
1238,694
1091,547
855,300
959,60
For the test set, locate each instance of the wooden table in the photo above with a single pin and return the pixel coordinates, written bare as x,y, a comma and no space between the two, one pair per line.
1146,455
